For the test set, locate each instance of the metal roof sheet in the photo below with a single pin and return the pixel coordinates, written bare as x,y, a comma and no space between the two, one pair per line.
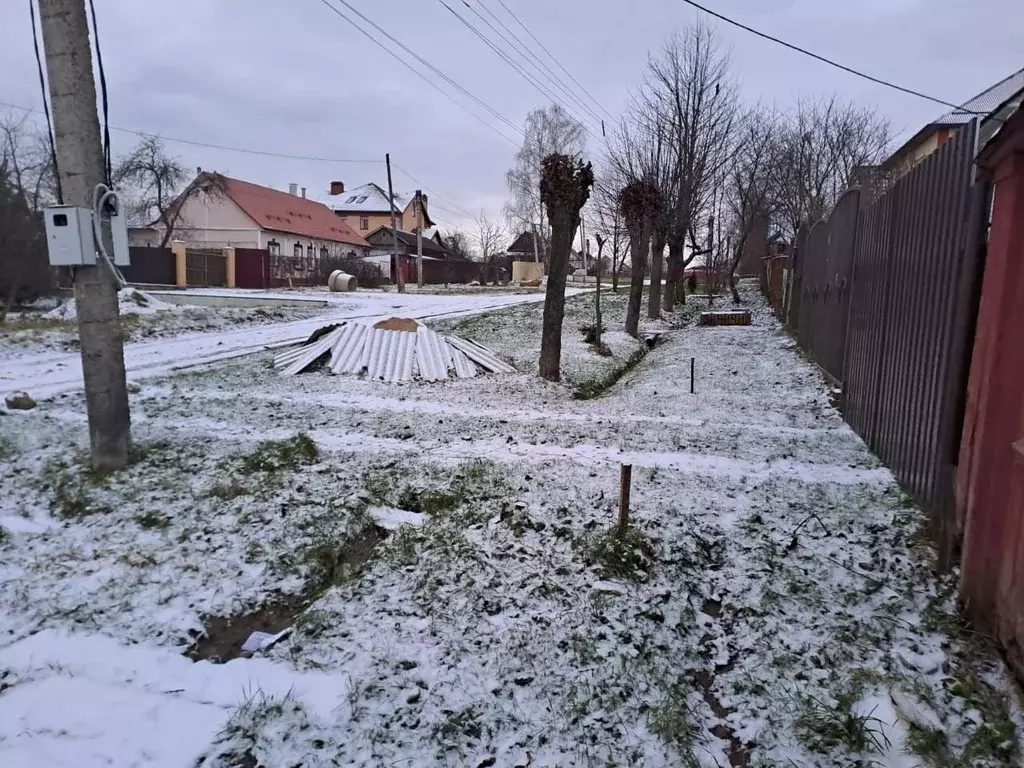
392,355
987,101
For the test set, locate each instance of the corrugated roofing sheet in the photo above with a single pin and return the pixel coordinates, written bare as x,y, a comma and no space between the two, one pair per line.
987,101
392,355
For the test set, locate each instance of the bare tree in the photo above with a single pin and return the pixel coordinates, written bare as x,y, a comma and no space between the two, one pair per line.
608,224
640,202
549,130
819,145
24,270
749,191
458,244
564,188
154,182
691,89
490,236
26,154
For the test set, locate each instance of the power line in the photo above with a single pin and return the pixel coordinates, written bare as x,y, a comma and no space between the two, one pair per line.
207,145
427,64
535,61
107,162
46,103
258,152
553,58
512,63
830,62
428,189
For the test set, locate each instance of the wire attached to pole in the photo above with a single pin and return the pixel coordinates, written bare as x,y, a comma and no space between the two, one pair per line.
107,164
46,102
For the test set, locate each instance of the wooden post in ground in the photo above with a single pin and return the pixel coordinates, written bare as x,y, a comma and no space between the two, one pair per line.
625,481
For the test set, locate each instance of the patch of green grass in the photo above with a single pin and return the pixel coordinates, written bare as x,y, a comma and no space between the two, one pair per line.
473,482
591,388
277,455
37,324
627,556
824,726
330,561
229,489
153,520
313,623
930,746
72,497
7,447
996,738
458,726
673,722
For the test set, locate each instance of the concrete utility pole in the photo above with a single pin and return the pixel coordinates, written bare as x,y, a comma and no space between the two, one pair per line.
399,277
419,238
80,161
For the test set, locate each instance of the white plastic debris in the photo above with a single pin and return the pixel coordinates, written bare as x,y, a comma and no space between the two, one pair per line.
264,641
916,712
608,587
391,518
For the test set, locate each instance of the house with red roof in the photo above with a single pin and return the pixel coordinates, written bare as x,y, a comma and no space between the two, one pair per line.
231,213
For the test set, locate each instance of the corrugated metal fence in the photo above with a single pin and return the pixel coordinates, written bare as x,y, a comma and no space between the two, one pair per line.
826,269
884,307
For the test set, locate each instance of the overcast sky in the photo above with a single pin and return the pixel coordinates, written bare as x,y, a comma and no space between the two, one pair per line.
291,76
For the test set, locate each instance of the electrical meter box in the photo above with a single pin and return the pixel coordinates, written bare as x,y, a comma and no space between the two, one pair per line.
119,231
69,237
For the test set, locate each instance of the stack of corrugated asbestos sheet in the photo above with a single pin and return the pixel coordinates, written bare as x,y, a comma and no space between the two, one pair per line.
392,350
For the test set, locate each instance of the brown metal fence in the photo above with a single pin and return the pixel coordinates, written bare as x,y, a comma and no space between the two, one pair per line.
883,308
206,267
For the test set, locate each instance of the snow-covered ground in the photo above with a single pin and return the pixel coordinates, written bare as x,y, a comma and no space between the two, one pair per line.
445,557
44,372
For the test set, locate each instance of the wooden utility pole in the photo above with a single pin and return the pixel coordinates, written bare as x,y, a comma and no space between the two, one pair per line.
81,165
536,252
419,238
399,277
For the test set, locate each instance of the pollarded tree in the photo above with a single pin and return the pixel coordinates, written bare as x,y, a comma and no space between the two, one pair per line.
565,184
640,203
549,130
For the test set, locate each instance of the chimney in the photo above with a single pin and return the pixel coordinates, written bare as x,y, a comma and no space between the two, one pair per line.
337,187
303,193
293,189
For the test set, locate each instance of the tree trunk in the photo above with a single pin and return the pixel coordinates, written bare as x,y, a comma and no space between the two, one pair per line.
615,274
672,279
657,259
563,230
733,265
638,248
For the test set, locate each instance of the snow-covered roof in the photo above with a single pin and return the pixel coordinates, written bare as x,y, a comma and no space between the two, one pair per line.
368,198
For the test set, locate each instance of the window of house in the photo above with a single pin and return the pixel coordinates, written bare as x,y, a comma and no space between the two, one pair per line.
274,248
351,199
297,262
364,222
323,252
362,199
